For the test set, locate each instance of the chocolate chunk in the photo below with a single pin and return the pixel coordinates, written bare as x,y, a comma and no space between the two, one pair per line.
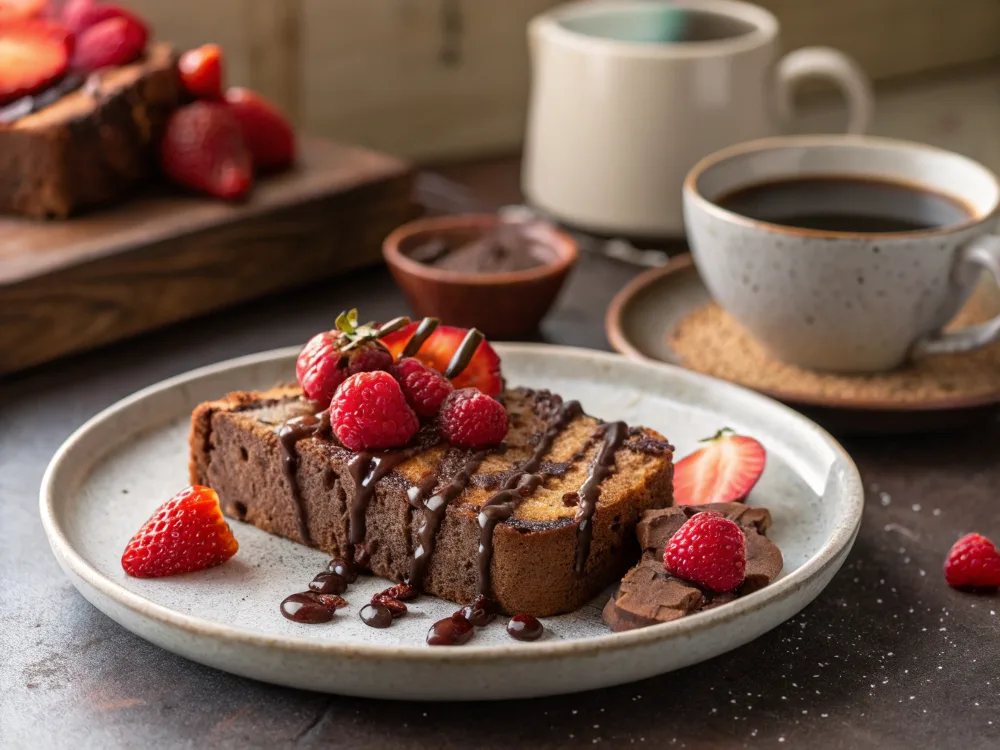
649,595
764,562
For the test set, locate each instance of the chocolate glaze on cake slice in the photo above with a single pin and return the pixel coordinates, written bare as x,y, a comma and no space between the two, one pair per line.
648,595
540,523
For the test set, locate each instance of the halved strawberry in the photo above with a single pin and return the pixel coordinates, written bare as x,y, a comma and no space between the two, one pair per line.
185,534
724,471
115,41
34,53
14,9
483,371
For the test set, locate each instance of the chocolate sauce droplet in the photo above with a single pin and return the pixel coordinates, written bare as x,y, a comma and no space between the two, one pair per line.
306,607
525,628
481,612
344,569
376,616
328,583
451,631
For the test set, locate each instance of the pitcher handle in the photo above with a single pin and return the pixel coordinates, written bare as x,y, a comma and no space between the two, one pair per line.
826,62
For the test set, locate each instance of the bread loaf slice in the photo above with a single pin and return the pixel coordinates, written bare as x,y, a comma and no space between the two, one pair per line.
416,514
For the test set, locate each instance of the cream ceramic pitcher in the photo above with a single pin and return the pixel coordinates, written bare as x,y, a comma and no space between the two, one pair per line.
618,115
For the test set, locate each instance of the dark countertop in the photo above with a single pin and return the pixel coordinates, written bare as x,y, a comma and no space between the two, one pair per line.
888,656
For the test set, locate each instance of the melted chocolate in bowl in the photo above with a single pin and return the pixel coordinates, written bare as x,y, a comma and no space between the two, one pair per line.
509,247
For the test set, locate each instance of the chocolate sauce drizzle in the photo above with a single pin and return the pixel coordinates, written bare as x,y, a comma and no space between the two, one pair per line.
424,330
366,470
519,485
589,492
289,433
432,511
463,355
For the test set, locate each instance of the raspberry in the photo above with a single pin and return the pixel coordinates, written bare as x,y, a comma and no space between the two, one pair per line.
471,419
424,388
709,550
322,366
973,562
369,410
185,534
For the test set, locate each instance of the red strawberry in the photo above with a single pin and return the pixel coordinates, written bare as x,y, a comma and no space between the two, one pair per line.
201,72
330,357
203,149
425,389
724,471
11,10
185,534
266,130
436,352
471,419
709,550
370,411
973,562
33,54
115,41
78,15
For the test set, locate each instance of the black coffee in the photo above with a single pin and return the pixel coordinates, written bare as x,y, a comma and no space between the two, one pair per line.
846,204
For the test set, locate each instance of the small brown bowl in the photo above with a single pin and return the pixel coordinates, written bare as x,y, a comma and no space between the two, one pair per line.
501,305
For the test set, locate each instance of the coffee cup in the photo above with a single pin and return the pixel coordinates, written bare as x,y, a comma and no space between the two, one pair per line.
626,96
845,253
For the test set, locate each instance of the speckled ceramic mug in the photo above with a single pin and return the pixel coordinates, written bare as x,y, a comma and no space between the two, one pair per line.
836,300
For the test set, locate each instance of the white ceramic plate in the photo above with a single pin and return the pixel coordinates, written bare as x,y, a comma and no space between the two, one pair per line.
114,471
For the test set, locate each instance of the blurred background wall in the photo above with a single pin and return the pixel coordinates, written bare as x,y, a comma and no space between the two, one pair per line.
441,80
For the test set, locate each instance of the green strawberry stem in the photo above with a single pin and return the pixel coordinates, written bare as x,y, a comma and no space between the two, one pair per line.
719,435
347,323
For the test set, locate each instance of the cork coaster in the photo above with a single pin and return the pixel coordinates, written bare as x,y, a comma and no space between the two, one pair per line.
710,341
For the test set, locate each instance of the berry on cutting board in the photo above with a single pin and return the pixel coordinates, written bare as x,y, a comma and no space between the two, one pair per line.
11,10
115,41
482,372
425,389
267,132
369,411
471,419
34,54
185,534
973,562
329,358
200,71
724,471
203,149
79,15
709,550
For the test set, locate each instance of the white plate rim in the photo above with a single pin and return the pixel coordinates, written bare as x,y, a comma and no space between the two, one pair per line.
831,553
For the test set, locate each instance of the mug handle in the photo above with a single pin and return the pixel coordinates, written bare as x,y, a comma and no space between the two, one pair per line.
984,253
826,62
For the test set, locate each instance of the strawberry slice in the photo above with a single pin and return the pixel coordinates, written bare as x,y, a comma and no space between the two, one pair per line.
185,534
201,71
34,53
115,41
14,9
724,471
436,352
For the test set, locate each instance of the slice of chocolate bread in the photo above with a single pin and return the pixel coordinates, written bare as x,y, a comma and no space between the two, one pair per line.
540,524
648,595
91,146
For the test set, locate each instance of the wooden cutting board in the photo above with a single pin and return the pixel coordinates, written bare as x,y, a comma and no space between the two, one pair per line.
71,285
